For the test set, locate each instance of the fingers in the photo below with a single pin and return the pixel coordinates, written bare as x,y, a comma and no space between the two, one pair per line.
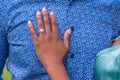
40,23
46,20
32,31
53,23
67,38
47,24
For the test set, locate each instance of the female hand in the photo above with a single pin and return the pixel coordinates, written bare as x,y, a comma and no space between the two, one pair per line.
50,49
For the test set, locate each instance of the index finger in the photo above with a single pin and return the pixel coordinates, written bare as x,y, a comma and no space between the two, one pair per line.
32,31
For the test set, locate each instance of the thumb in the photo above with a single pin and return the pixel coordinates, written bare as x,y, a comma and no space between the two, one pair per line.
67,38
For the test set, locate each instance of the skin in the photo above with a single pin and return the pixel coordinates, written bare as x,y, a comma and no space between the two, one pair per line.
116,42
49,48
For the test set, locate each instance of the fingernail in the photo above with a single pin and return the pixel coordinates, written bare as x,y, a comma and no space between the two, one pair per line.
51,12
38,13
69,31
29,22
44,9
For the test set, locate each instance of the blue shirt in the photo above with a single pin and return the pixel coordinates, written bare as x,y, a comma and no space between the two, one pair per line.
94,23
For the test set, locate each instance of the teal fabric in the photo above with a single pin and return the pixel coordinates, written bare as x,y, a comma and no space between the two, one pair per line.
118,37
107,66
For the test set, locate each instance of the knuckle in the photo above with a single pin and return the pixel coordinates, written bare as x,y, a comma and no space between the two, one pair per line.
39,23
45,13
36,44
46,21
55,36
54,23
47,37
68,48
33,33
30,27
39,17
67,36
41,40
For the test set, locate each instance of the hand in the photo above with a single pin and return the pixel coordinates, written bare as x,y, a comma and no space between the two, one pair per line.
50,49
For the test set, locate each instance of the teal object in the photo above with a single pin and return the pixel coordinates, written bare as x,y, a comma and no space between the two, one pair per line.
107,66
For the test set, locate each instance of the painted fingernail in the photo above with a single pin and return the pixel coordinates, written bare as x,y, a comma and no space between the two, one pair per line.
44,9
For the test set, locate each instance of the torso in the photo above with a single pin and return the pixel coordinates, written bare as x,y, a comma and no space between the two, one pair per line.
94,28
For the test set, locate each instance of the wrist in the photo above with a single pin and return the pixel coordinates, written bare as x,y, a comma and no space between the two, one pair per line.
52,66
57,72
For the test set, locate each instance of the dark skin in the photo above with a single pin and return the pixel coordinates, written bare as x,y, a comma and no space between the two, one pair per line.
116,42
49,48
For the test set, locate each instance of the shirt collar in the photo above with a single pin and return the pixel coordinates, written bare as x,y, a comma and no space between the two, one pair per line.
70,1
66,0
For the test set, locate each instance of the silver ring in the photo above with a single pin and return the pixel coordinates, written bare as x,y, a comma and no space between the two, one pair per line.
41,30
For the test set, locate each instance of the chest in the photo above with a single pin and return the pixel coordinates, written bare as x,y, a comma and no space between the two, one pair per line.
92,24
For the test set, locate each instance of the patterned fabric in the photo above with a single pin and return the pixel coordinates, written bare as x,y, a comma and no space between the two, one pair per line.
94,23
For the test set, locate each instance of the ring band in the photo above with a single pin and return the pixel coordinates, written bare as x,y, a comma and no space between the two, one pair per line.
41,30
